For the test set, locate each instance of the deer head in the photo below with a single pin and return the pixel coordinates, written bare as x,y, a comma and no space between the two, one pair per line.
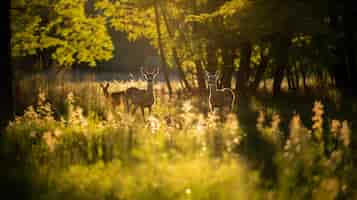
149,75
212,77
105,88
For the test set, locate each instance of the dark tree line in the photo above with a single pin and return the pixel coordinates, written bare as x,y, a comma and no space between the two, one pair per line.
249,41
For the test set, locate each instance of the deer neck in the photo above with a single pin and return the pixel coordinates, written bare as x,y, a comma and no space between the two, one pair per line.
150,89
212,88
106,93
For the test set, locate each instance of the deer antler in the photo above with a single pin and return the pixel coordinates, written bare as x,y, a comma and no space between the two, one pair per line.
104,86
143,72
157,71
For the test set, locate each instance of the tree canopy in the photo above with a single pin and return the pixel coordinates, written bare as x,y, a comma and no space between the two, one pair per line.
61,26
299,38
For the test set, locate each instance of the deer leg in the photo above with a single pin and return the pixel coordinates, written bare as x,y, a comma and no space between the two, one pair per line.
150,109
134,110
143,111
127,102
210,107
127,107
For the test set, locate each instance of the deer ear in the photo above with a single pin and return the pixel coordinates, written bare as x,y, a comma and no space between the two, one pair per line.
157,71
145,76
217,74
207,73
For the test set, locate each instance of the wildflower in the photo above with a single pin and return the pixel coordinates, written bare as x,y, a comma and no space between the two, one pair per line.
49,140
335,127
70,98
295,127
345,133
260,120
275,123
154,124
188,115
41,96
236,140
32,134
336,156
201,127
298,148
232,123
43,108
187,106
30,113
331,186
212,119
287,145
110,117
317,119
57,132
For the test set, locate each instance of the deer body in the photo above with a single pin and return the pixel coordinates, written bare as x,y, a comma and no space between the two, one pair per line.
140,97
114,98
219,98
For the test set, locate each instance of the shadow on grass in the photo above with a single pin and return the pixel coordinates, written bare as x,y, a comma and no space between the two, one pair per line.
255,149
259,152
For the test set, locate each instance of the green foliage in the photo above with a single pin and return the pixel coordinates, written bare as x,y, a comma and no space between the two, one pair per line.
60,25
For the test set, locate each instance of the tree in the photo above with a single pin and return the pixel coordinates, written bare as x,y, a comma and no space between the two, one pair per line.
6,102
174,50
139,19
62,27
161,48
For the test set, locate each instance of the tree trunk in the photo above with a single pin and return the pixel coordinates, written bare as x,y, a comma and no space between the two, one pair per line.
181,71
349,17
211,57
242,75
351,56
289,78
303,73
296,78
228,68
177,59
6,89
161,49
261,69
281,45
200,75
345,69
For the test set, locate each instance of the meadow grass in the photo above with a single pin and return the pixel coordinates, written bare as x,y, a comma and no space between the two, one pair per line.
72,145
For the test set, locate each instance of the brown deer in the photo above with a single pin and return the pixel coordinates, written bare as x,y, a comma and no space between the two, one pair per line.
115,98
140,97
219,98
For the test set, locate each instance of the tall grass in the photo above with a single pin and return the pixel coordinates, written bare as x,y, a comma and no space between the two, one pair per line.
75,146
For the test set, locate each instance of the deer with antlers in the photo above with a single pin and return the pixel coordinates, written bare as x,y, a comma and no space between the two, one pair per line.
140,97
219,98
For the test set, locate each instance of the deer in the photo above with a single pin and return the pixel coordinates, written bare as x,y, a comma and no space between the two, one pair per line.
115,98
140,97
219,98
